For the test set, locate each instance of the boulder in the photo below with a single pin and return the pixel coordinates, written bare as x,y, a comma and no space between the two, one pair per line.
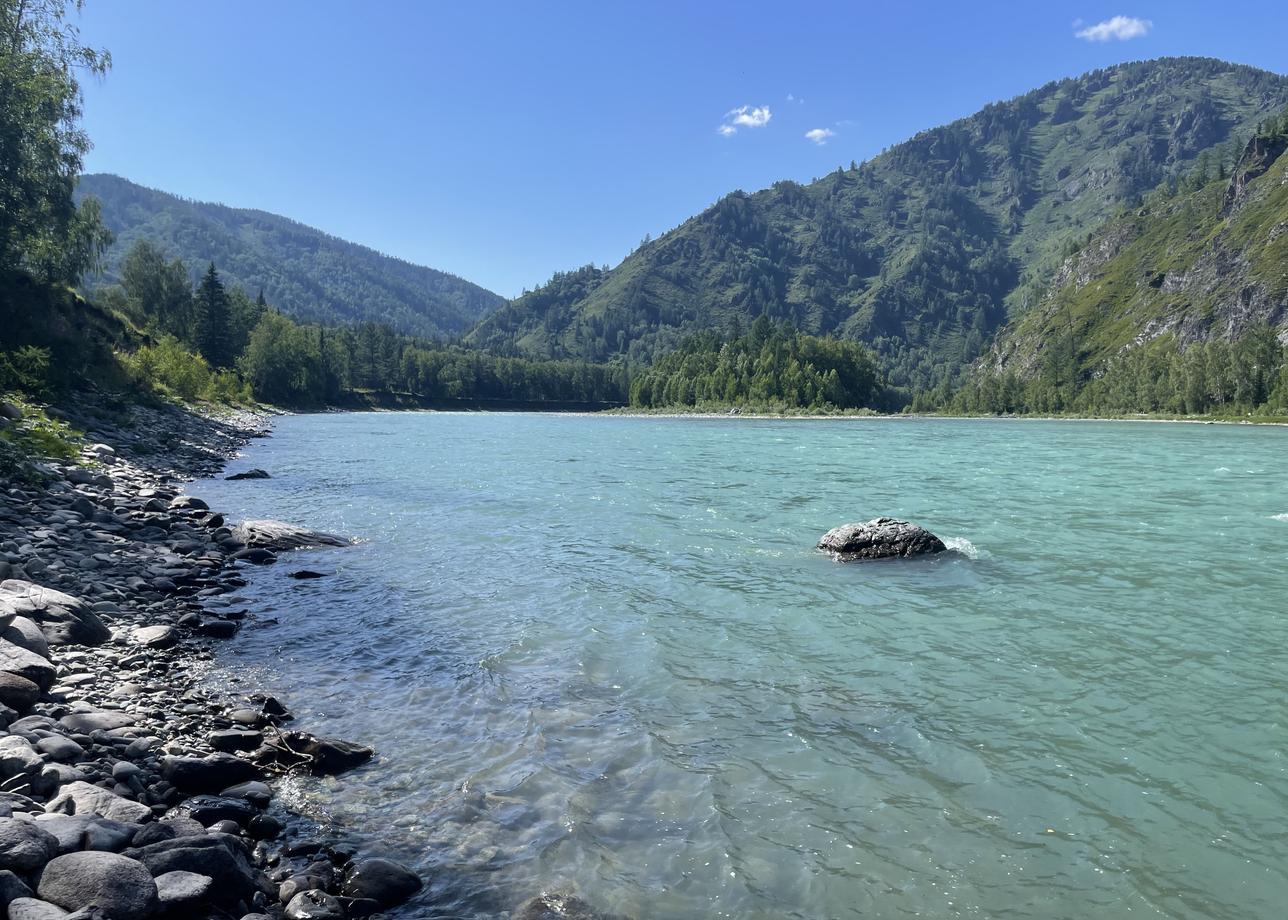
277,536
381,880
235,739
81,798
35,909
17,660
880,538
60,748
188,503
314,905
24,633
17,692
183,890
558,906
257,793
18,757
207,809
167,829
24,847
99,720
65,620
323,756
248,474
87,832
121,886
161,636
12,888
218,629
223,858
212,773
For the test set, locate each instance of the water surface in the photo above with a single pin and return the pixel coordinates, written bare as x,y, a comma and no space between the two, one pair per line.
600,654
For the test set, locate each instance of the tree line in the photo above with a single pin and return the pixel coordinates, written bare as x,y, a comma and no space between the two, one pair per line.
771,366
216,342
1246,376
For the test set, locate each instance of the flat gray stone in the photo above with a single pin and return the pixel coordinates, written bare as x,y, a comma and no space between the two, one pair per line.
34,909
277,536
101,720
183,889
81,798
156,636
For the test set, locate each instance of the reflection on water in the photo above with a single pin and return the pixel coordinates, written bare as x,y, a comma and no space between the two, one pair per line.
600,654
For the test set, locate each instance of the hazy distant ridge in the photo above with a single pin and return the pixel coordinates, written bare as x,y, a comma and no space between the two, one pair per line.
304,272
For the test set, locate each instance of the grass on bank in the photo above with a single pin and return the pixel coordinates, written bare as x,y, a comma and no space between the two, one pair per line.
36,436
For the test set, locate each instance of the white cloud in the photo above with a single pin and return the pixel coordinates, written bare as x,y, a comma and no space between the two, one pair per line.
820,135
745,116
1120,28
749,116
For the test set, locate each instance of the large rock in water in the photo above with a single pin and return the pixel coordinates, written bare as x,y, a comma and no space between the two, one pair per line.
277,536
65,620
381,880
880,538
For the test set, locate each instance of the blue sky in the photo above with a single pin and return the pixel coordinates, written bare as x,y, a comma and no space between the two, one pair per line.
506,141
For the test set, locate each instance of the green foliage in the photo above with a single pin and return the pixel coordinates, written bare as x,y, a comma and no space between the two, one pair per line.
169,367
41,143
924,251
50,337
456,373
213,320
303,272
1203,261
294,365
26,368
285,363
769,366
1244,377
158,291
37,436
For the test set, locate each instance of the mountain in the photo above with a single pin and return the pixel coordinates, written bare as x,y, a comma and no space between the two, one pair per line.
1208,263
302,271
924,251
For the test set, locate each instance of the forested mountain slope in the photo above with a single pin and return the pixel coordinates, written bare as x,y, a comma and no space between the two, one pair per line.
1208,263
924,251
302,271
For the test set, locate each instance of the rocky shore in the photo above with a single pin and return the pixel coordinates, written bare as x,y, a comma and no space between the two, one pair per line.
128,789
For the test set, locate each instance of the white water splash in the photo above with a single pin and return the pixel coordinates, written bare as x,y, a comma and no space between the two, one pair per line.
1279,517
963,546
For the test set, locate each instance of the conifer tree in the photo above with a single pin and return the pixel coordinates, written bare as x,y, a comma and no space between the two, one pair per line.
213,337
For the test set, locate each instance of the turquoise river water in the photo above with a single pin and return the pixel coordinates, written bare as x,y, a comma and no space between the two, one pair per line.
600,655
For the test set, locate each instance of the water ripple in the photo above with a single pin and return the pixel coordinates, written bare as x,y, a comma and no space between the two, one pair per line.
600,654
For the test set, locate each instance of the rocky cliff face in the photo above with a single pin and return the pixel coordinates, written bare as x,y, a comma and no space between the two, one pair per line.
1208,263
1260,154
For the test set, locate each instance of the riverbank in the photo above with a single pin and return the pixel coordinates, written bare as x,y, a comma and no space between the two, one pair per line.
125,783
1280,421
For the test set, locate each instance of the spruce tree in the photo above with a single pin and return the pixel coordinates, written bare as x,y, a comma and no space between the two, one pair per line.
213,333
